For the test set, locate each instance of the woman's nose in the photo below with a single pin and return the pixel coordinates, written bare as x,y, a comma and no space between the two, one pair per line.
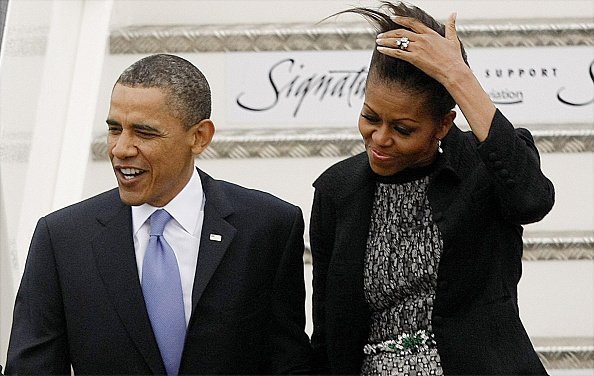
382,136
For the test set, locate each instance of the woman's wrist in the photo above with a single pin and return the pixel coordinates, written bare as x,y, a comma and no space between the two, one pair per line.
473,101
457,78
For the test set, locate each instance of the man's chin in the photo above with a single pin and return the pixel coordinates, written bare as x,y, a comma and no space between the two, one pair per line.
130,199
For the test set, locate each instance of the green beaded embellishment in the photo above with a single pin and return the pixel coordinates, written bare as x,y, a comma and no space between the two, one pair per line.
405,344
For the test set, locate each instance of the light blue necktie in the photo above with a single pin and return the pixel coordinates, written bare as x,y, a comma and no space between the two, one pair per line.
163,296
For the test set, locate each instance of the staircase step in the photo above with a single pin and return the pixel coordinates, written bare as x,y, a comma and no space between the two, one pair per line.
565,353
545,246
332,36
343,142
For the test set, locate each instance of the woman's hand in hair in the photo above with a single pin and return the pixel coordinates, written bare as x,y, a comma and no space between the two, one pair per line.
435,55
441,58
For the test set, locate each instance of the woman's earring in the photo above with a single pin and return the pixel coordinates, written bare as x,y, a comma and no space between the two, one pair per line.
439,149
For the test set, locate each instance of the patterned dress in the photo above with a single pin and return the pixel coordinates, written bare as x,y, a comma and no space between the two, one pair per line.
403,252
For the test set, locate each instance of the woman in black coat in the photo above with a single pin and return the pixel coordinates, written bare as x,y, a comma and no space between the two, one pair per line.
417,242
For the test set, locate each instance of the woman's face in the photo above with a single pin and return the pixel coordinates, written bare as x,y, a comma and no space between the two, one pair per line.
398,128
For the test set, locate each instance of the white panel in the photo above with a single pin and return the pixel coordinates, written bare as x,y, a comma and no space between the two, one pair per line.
65,112
49,122
556,298
78,128
6,283
531,85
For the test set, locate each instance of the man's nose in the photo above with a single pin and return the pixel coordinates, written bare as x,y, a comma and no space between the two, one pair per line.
124,146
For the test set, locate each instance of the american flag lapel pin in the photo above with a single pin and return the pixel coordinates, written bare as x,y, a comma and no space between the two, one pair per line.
216,237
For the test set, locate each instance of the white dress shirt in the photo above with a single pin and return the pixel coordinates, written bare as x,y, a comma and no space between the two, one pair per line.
182,233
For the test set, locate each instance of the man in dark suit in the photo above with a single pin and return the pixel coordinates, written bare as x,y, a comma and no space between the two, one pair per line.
84,301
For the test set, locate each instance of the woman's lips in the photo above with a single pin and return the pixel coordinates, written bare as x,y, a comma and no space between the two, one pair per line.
381,157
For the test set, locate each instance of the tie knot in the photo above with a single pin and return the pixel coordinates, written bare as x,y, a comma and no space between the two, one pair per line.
158,221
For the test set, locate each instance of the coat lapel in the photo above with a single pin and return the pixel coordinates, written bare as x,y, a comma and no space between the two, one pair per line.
113,250
359,207
217,235
356,213
354,206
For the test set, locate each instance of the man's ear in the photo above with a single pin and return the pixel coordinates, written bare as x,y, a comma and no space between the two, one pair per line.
446,124
201,134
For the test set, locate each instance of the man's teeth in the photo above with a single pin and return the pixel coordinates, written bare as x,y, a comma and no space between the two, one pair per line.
130,173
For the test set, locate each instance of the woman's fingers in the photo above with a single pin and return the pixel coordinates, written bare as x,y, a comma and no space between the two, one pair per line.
394,52
450,27
396,33
413,24
394,40
420,28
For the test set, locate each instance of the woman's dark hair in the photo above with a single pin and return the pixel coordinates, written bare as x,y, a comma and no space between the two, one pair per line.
387,69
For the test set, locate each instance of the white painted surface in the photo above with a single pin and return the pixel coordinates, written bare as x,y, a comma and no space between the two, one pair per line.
134,12
556,298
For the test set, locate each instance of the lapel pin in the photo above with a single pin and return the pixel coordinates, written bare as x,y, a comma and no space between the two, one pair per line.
216,237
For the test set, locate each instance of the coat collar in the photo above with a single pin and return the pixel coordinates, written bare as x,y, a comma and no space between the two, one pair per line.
351,184
113,249
451,161
354,174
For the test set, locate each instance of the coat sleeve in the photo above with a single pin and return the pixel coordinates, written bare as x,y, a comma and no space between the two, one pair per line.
525,194
289,345
321,233
38,340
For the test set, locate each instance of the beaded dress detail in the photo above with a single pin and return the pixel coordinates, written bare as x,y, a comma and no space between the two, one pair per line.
404,247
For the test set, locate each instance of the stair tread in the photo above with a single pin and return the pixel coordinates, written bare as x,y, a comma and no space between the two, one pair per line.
543,343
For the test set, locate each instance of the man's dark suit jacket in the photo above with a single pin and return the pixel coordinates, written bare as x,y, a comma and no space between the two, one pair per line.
480,196
80,300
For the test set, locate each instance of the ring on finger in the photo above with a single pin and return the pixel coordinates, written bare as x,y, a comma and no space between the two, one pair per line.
402,43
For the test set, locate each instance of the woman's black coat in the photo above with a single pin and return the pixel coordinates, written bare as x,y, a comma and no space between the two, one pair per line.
480,195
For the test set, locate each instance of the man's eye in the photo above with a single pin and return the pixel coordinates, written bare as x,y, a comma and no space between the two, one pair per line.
144,134
114,130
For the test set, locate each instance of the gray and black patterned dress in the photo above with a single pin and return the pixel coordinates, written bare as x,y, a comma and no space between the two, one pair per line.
403,251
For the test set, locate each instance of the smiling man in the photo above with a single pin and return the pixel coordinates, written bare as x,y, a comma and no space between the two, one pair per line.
173,272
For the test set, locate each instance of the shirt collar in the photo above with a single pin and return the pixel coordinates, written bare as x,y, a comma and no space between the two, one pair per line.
182,207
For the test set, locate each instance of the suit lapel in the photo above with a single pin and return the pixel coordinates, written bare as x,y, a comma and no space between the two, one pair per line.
114,255
217,235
